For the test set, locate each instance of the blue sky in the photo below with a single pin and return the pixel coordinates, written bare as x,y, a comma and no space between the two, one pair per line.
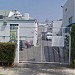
39,9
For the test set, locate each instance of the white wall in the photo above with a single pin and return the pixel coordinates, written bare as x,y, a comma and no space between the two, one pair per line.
68,11
44,27
4,33
35,34
30,31
27,29
58,41
56,27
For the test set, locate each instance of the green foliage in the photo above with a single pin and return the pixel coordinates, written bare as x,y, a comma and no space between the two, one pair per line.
7,52
73,45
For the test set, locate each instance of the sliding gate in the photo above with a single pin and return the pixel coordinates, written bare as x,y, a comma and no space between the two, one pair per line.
55,50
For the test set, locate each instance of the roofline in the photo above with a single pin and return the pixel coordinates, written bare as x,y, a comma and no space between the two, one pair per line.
70,25
18,20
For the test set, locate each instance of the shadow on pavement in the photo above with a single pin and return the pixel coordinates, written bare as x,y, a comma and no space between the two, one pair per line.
41,69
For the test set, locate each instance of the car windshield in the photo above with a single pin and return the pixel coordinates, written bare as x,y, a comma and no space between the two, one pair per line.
49,35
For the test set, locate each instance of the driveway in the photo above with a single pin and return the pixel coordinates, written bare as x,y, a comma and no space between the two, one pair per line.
37,69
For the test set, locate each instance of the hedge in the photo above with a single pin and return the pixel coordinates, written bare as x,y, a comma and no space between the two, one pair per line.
7,52
73,46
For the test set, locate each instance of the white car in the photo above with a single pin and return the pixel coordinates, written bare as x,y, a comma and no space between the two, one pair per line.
49,36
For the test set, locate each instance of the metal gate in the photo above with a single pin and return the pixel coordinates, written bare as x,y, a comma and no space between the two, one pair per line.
44,51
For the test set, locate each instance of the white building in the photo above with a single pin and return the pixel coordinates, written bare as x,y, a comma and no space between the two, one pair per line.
53,32
44,26
56,27
9,22
69,13
57,37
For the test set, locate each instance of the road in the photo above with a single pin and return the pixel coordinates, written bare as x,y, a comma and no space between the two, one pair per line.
37,69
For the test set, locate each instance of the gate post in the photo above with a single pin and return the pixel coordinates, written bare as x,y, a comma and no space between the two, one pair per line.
69,49
69,62
41,51
18,45
17,49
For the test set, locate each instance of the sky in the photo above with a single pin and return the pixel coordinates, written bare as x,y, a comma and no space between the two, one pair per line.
39,9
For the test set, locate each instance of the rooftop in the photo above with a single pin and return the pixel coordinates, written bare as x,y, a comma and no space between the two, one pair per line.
14,15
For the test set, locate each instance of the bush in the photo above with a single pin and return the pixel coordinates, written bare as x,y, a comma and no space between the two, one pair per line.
73,46
7,52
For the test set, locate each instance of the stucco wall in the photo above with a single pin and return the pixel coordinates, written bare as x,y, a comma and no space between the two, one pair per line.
68,11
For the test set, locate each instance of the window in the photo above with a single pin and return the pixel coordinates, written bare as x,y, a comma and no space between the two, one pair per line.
1,16
13,31
17,18
70,20
65,9
13,26
3,37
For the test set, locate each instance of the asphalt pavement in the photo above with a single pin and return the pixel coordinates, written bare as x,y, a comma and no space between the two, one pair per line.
37,69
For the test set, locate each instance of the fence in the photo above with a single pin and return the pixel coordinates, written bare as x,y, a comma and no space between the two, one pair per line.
39,45
52,46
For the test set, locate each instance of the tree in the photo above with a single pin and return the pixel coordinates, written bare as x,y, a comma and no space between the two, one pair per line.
73,45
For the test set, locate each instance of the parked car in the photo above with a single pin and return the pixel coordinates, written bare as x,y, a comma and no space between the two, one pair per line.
48,36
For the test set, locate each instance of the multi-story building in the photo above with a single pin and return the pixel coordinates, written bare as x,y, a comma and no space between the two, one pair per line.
68,13
13,21
56,27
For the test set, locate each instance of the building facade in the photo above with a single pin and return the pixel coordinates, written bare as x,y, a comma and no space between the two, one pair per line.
11,21
56,27
68,13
